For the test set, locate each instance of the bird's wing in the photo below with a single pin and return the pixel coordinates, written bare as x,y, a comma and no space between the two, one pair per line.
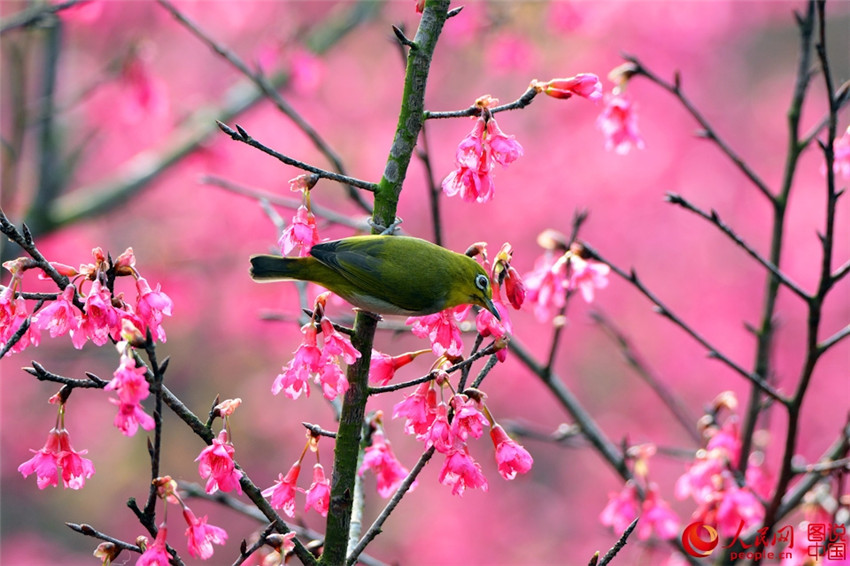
363,262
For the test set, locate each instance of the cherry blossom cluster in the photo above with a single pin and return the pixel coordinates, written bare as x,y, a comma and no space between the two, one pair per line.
559,271
57,458
317,496
319,364
442,328
724,502
380,459
476,155
618,120
302,232
97,315
447,427
625,506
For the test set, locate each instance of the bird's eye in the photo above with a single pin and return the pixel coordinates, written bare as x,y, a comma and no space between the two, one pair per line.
482,282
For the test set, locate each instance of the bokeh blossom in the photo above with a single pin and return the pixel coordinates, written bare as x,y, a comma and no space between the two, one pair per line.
618,123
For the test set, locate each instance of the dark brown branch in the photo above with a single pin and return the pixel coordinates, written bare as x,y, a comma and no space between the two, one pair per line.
240,135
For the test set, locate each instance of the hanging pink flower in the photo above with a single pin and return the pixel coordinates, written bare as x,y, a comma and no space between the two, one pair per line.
618,123
216,465
547,285
156,554
151,306
439,434
201,536
302,232
657,517
294,380
282,493
57,454
61,316
623,507
319,494
587,276
468,419
511,457
379,458
441,329
420,409
460,472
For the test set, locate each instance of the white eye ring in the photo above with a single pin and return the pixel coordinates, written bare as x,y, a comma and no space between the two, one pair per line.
482,282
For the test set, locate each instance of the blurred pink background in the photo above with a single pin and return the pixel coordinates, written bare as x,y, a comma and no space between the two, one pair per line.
736,61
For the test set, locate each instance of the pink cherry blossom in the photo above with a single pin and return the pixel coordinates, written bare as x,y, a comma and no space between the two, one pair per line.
13,314
618,123
151,306
382,367
468,419
130,417
489,325
485,145
130,384
623,507
586,85
441,329
460,472
702,479
420,409
294,380
547,285
101,318
439,434
504,148
56,455
738,504
282,493
333,380
511,457
156,554
301,232
841,151
336,344
379,458
202,536
61,316
657,516
586,276
216,465
319,494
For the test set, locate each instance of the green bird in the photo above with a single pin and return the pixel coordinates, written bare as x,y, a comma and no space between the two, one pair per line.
386,274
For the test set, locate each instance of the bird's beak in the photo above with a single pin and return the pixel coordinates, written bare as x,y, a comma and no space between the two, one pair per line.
490,306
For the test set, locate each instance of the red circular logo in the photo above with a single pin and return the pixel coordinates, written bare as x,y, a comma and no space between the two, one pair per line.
698,544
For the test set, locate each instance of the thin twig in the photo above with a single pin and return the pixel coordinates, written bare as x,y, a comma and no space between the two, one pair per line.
715,220
708,131
240,135
270,91
517,104
664,311
621,542
36,15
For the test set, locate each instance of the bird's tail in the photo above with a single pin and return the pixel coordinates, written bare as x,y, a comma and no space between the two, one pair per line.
275,268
